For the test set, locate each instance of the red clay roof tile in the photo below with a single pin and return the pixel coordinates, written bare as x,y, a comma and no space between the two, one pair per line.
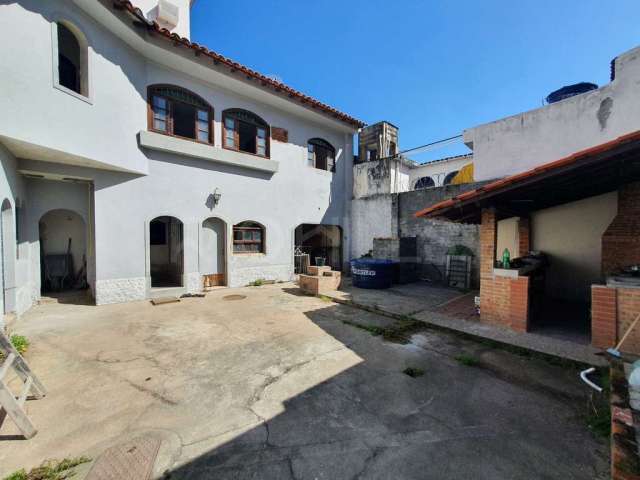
235,66
514,179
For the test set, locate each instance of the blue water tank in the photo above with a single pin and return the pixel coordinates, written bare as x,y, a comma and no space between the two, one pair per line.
372,272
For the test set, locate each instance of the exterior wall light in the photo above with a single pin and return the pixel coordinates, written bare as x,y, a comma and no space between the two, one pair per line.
216,196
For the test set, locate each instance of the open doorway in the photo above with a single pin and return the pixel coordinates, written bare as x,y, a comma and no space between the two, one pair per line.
166,252
321,243
63,251
212,253
8,258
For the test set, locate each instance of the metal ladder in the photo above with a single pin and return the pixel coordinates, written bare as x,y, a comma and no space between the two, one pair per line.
9,403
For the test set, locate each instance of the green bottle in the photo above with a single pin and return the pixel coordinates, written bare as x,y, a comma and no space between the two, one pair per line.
506,259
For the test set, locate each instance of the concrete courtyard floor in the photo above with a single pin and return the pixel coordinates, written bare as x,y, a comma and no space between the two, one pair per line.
283,386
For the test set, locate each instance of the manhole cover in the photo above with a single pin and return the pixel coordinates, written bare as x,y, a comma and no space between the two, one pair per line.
234,297
133,460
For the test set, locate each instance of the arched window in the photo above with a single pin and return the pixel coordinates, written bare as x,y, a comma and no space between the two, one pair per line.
449,178
424,182
320,154
246,132
248,237
72,58
178,112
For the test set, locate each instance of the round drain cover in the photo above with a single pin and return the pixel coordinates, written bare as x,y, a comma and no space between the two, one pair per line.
234,297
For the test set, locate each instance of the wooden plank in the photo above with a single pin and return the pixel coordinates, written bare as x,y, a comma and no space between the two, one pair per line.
164,300
20,366
25,391
7,365
213,280
15,412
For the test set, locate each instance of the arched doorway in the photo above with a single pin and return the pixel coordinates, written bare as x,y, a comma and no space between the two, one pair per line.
213,252
166,252
63,251
8,258
320,244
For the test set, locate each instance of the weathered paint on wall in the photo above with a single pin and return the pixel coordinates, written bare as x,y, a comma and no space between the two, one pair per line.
524,141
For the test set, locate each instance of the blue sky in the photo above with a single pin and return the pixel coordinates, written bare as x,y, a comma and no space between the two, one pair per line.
431,68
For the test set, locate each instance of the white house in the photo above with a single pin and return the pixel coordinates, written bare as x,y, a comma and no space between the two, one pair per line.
135,161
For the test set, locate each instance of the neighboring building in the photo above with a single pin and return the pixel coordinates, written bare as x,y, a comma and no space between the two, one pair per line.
388,188
569,193
138,163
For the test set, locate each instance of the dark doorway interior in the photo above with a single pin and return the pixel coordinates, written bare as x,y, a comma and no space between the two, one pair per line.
320,242
166,252
561,318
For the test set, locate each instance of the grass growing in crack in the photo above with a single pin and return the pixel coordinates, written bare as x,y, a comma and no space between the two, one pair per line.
413,372
373,330
398,332
468,360
256,283
20,343
325,298
598,418
50,470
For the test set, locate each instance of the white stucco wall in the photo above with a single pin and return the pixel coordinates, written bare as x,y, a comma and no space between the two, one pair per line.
571,234
40,120
371,217
524,141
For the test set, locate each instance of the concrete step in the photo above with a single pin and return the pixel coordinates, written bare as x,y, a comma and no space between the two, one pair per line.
160,292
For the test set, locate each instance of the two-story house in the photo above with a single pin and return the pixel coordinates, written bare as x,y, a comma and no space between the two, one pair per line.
138,163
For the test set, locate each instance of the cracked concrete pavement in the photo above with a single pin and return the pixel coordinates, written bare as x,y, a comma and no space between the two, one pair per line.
277,386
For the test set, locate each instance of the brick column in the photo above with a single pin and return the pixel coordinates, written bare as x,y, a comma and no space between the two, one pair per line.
488,242
604,315
519,304
524,236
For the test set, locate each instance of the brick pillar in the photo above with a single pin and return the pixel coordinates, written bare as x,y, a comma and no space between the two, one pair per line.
524,236
604,314
488,242
489,309
519,304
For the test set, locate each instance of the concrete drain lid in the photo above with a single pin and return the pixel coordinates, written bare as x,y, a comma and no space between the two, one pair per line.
234,297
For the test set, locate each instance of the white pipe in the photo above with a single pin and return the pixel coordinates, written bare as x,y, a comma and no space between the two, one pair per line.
583,376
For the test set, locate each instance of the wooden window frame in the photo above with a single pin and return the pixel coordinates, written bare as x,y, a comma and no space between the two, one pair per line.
255,226
152,92
258,123
324,145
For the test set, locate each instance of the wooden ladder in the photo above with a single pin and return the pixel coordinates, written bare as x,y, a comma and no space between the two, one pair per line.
12,405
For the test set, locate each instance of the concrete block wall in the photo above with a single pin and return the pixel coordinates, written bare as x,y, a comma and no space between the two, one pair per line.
435,236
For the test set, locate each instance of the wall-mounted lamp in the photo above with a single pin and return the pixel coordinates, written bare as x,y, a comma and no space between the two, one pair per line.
213,199
216,196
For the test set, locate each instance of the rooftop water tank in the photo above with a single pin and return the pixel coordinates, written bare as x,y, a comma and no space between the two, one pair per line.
570,91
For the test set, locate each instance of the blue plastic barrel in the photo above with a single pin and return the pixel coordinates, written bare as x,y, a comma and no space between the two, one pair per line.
372,272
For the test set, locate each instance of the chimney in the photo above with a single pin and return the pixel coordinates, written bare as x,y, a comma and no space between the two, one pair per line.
621,240
174,15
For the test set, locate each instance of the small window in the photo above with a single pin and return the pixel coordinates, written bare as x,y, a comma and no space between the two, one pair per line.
449,178
424,182
72,52
178,112
372,154
248,237
321,155
245,132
